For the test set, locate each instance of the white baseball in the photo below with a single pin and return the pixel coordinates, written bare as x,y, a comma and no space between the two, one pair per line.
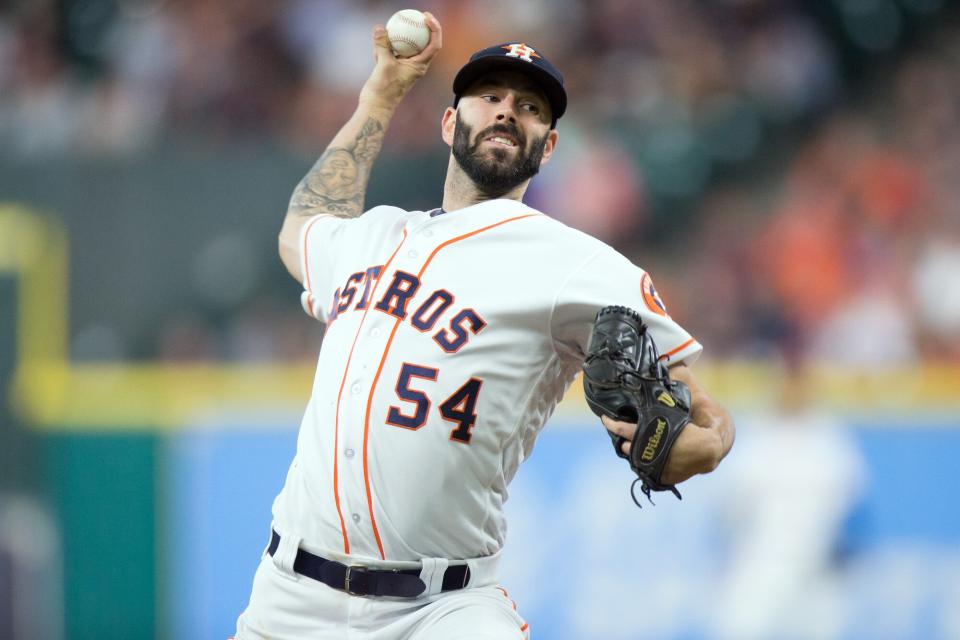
408,32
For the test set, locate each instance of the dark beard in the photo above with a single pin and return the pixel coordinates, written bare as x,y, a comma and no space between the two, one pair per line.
494,177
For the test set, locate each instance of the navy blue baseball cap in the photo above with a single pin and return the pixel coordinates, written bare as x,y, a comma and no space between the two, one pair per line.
515,56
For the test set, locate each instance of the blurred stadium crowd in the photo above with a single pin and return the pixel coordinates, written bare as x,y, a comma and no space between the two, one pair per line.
789,172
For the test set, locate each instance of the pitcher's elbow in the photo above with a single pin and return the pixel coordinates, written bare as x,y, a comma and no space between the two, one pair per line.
713,454
289,255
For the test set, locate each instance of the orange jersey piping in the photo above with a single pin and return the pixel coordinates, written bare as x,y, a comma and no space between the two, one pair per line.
678,349
306,262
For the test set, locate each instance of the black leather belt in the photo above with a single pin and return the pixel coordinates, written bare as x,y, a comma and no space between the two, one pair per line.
363,581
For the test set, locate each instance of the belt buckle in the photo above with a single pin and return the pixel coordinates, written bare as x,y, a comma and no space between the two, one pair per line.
346,578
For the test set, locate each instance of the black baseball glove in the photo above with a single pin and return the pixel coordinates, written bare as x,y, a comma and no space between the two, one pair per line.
624,379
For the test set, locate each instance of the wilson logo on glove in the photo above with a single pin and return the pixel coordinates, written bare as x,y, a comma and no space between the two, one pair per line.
650,451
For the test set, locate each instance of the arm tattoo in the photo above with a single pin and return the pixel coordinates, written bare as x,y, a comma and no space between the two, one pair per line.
338,181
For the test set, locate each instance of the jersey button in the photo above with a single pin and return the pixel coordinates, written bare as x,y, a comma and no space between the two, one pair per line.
375,332
413,253
428,234
348,453
356,517
355,389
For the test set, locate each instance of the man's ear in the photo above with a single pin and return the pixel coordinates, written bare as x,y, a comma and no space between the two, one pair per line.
550,146
448,124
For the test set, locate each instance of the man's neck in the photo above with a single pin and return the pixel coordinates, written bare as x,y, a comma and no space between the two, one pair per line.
459,191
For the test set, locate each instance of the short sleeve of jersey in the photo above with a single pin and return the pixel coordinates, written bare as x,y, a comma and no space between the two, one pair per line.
608,278
322,241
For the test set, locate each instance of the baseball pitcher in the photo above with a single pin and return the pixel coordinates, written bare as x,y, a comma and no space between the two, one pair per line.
451,335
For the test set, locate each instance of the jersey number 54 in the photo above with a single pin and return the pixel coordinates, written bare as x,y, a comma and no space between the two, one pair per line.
459,408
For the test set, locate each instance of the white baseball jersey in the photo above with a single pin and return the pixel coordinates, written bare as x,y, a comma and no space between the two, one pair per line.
450,339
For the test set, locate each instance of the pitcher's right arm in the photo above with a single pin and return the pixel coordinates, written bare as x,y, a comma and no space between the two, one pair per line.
336,185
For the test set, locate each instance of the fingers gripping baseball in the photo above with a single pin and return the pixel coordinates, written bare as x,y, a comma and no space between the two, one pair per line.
393,77
436,40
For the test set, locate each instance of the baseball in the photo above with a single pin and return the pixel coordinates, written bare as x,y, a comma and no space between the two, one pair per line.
408,32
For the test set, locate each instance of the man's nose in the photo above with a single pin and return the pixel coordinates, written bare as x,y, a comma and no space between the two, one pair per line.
507,110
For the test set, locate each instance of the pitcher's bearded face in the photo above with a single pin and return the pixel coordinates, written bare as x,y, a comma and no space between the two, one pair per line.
498,158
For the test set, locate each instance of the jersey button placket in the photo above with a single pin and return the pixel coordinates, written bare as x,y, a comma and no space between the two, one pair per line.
351,477
376,328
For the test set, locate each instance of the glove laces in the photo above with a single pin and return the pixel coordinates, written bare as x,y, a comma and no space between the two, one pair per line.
647,490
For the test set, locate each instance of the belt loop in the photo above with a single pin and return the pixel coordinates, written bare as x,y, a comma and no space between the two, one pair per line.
432,574
286,554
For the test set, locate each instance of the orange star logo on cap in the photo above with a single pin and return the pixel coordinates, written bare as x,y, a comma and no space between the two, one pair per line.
521,51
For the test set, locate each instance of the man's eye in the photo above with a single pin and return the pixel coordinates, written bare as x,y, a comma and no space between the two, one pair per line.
532,108
490,98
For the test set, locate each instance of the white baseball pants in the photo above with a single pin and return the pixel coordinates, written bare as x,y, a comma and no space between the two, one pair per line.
287,606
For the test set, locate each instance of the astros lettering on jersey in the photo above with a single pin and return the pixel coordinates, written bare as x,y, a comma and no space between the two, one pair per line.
450,340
